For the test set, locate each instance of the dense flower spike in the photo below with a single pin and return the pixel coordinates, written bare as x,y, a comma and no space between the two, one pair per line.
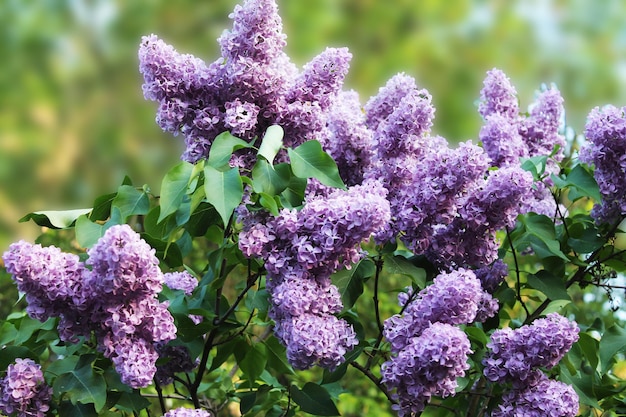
428,365
453,298
498,96
515,355
502,141
606,151
379,107
546,398
183,281
23,390
251,87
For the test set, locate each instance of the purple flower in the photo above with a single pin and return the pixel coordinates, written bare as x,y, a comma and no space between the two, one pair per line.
187,412
501,140
491,276
514,355
23,390
606,151
172,360
379,107
546,398
296,297
320,340
453,298
541,128
427,366
183,281
240,117
498,96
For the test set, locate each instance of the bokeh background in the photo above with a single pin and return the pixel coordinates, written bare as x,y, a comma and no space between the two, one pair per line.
73,120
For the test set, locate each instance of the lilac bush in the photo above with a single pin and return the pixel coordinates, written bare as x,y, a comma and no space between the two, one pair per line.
294,207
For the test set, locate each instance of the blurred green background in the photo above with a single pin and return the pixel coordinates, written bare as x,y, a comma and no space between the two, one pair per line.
74,122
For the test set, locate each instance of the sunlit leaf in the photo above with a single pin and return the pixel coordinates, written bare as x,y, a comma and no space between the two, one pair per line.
310,161
224,190
61,219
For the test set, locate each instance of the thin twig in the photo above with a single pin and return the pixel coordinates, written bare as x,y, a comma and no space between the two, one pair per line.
518,285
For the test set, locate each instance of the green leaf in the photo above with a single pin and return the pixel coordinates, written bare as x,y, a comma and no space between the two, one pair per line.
581,183
224,190
272,142
268,179
174,188
536,165
276,357
269,203
131,201
254,361
350,281
132,401
67,409
223,147
53,219
552,286
82,386
589,347
293,195
310,161
8,354
539,233
314,399
397,264
88,232
102,207
613,341
555,306
583,387
62,366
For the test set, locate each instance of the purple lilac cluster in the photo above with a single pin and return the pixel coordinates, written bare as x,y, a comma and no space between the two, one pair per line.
301,250
428,365
515,356
470,239
252,86
23,390
547,398
508,136
183,281
430,351
187,412
116,298
606,150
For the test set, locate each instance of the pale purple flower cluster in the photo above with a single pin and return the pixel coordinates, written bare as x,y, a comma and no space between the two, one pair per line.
547,398
252,86
515,356
428,365
470,239
187,412
301,250
606,150
23,390
116,299
508,136
430,352
183,281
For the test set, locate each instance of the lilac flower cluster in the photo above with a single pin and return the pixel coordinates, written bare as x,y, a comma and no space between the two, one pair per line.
508,136
301,250
252,86
606,150
430,352
116,298
547,398
428,365
470,239
23,390
515,355
172,360
183,281
187,412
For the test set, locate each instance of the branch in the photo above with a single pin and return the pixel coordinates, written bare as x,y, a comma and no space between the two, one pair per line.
374,379
518,285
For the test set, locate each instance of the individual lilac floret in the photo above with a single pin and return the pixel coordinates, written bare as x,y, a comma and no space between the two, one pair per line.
515,355
606,150
350,142
123,266
547,398
51,279
498,96
187,412
183,281
453,298
427,366
23,390
320,340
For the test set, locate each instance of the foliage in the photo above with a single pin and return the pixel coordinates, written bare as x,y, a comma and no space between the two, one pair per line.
223,224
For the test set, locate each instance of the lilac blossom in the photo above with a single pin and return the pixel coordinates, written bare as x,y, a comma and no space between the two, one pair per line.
491,276
379,107
427,366
183,281
498,96
23,390
515,355
453,298
605,149
541,129
501,140
172,360
187,412
546,398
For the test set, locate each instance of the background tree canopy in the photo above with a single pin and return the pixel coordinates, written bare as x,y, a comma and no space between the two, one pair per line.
74,120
